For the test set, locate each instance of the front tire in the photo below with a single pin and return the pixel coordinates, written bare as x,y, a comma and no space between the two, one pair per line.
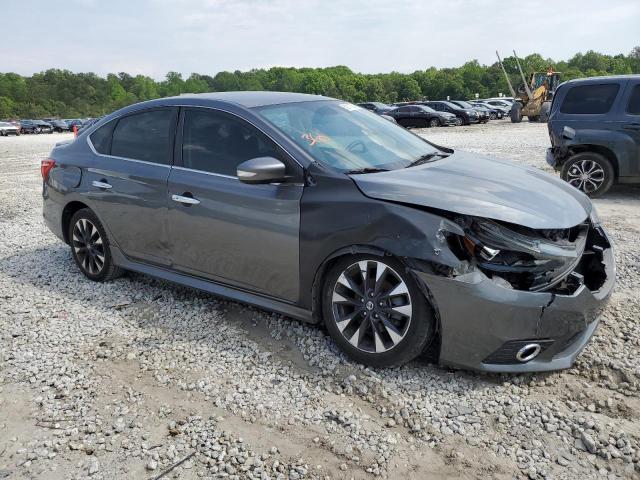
516,112
90,247
434,122
375,311
589,172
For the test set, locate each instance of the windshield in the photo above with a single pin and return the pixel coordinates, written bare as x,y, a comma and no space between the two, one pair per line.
428,109
464,104
452,105
346,137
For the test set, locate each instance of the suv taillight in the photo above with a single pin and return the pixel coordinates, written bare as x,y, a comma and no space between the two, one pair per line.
45,168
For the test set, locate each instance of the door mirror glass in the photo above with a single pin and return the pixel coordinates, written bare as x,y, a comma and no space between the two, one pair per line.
261,170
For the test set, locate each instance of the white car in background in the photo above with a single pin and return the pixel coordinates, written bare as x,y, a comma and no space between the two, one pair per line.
7,129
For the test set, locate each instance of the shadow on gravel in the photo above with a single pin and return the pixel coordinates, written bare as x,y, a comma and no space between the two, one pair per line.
138,293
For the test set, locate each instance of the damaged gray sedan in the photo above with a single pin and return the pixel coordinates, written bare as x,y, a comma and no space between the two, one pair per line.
325,212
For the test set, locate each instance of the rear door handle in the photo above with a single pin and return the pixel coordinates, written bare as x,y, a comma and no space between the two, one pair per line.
632,126
184,199
101,184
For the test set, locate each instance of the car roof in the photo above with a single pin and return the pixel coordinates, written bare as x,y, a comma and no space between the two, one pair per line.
247,99
603,79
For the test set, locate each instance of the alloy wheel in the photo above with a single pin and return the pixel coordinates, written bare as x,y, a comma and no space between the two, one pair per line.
371,306
88,246
434,122
586,175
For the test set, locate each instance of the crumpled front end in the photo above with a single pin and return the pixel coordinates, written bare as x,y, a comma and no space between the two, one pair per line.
520,300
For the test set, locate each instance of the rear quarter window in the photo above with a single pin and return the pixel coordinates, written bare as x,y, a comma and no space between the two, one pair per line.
101,138
590,99
634,101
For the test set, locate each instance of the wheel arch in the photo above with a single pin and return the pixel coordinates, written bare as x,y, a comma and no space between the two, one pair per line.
67,212
602,150
316,292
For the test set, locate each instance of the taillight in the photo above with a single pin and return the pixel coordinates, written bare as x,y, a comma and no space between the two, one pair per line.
45,168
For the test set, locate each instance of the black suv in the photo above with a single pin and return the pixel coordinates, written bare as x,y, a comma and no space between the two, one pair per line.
594,127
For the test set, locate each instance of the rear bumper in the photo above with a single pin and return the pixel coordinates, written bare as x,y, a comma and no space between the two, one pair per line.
480,320
52,212
552,158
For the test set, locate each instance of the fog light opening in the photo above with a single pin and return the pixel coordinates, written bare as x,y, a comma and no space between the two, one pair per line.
528,352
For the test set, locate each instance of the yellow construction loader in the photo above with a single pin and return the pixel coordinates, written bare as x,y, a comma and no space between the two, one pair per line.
533,97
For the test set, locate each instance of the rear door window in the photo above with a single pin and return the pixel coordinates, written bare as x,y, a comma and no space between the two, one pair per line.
634,101
590,99
146,136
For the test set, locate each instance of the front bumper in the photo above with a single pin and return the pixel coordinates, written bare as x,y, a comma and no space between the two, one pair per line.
479,319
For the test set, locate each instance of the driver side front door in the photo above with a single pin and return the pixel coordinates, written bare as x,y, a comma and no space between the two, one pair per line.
234,233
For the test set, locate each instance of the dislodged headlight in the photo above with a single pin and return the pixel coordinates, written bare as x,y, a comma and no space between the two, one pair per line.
528,259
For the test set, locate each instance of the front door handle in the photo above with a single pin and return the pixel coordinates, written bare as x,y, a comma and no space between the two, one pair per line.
185,199
632,126
101,184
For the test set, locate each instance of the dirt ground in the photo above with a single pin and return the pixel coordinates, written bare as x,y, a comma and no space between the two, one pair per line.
125,379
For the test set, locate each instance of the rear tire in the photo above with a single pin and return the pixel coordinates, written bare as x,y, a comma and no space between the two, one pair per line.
544,112
90,247
375,311
589,172
516,112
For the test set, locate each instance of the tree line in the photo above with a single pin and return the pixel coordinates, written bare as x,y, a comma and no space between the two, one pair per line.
61,93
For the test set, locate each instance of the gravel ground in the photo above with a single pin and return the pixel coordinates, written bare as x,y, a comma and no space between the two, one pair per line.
128,378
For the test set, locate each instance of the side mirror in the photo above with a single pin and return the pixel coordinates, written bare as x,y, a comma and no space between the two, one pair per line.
261,170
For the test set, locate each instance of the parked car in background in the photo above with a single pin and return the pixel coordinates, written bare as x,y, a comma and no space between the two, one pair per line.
483,113
44,127
500,110
508,100
377,107
88,122
465,116
7,129
314,208
29,126
59,125
73,122
594,126
421,116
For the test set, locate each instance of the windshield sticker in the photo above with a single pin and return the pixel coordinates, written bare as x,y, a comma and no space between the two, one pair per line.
314,139
349,106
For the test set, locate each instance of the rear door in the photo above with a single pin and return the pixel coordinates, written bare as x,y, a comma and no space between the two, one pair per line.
128,182
243,235
631,122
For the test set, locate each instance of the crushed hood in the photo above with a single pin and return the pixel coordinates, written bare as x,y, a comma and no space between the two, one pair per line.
473,184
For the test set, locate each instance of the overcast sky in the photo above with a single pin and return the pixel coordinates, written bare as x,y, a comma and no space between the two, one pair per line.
152,37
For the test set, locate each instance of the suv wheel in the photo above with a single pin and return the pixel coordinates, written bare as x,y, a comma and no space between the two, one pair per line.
375,311
90,247
589,172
